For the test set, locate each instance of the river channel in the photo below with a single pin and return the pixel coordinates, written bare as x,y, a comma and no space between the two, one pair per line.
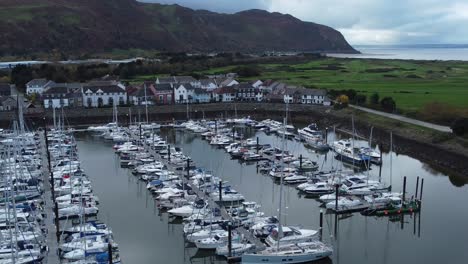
436,235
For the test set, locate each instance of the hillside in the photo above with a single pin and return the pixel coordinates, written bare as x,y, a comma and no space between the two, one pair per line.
88,26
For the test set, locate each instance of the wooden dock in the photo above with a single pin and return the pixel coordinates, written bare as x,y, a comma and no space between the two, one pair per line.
259,245
52,256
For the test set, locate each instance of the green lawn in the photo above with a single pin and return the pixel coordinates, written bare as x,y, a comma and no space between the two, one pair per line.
412,84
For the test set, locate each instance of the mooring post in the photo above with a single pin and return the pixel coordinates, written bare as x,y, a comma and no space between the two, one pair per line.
258,145
300,162
404,188
220,191
57,222
169,153
421,193
417,187
109,249
321,224
326,135
188,168
139,139
336,197
229,240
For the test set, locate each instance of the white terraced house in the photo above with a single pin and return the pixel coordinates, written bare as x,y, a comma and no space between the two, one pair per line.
104,93
37,86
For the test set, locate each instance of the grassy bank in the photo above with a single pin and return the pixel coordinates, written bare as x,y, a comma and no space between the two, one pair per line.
412,84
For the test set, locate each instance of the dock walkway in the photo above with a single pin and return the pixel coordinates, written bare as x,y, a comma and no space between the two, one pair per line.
224,214
52,256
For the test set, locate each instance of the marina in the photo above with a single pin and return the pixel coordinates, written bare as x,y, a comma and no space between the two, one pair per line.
244,161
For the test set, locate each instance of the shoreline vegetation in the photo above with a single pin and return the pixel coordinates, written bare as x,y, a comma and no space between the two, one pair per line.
432,91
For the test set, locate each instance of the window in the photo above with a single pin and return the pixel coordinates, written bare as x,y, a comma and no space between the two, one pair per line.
89,102
111,101
121,100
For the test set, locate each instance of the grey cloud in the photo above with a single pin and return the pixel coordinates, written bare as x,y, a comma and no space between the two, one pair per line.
365,21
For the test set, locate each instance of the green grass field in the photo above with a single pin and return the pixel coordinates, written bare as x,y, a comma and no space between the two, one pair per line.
412,84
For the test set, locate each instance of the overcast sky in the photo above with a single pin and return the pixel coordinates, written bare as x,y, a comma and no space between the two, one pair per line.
365,21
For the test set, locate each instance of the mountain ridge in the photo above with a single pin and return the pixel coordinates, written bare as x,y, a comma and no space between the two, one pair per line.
28,26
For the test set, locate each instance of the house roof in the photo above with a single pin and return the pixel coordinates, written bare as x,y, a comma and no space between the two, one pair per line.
37,82
6,98
104,86
206,82
187,86
225,90
200,91
225,82
316,92
163,87
244,86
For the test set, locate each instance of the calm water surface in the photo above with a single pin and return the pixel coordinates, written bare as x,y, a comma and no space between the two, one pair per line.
437,235
409,52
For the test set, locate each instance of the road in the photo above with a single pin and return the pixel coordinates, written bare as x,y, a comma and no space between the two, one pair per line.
405,119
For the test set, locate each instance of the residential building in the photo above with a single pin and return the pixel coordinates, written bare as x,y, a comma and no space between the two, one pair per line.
175,80
246,92
164,93
144,95
202,96
208,84
313,96
224,94
183,93
223,82
60,95
104,93
37,86
7,103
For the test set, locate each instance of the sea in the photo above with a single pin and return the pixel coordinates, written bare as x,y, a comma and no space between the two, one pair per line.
442,52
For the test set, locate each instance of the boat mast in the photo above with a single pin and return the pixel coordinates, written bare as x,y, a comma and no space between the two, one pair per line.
280,227
7,207
55,122
146,105
391,154
12,193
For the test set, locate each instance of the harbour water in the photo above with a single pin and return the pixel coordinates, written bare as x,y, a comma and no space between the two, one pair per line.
409,52
146,235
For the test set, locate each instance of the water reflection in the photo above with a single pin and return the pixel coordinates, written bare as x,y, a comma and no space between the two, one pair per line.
146,234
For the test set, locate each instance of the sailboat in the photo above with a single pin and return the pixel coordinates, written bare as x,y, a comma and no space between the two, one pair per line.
292,251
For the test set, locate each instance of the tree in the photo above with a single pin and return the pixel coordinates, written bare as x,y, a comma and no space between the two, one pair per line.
374,99
343,99
460,126
360,99
388,104
248,71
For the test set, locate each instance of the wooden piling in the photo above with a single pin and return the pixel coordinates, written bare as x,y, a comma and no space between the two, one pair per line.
421,193
417,187
169,153
257,145
321,224
220,191
229,240
404,189
109,249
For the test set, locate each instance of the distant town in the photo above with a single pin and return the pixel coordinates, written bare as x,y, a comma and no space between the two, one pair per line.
109,91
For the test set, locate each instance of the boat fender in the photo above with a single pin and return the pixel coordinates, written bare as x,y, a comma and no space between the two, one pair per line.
270,228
